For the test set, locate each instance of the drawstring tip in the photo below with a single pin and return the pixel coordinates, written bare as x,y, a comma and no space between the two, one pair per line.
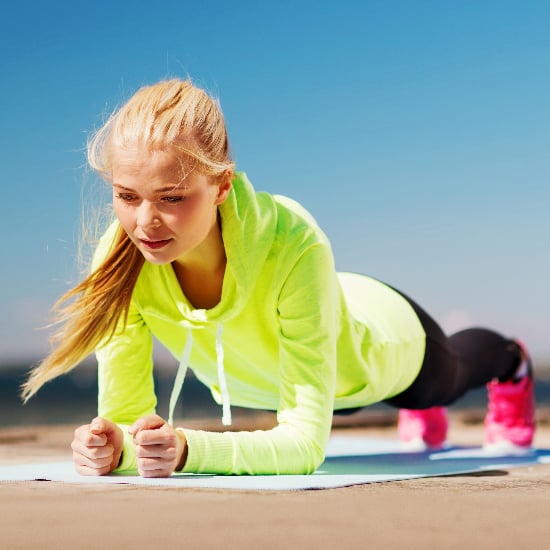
226,403
226,419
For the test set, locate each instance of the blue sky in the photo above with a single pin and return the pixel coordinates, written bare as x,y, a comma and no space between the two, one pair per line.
417,132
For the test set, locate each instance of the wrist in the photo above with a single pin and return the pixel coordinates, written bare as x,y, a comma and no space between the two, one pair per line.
182,449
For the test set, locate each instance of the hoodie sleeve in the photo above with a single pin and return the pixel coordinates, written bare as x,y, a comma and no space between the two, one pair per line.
308,319
125,368
125,381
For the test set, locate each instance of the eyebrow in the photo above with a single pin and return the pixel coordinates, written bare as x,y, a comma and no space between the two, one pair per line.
176,187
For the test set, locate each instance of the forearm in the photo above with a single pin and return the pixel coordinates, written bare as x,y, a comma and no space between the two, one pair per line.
282,450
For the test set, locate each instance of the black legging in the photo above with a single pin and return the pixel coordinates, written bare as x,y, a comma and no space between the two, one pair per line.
453,365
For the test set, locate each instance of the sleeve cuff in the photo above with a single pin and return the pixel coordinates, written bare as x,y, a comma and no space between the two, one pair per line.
208,452
128,460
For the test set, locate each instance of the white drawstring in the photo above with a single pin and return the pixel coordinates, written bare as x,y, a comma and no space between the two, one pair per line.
226,404
182,370
180,375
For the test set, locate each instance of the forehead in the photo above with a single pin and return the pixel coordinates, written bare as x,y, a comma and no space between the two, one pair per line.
150,170
139,160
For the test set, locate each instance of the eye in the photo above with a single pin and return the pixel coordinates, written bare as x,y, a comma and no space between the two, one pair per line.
125,197
173,199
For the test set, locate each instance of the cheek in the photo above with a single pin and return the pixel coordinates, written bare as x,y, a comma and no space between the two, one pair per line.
124,215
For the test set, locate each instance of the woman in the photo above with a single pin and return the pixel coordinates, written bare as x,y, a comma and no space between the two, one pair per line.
241,286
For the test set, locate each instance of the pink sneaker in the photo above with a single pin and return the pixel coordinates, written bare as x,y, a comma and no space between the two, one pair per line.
420,430
510,420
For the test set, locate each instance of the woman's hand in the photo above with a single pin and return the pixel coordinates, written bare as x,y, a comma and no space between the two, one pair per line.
97,447
159,448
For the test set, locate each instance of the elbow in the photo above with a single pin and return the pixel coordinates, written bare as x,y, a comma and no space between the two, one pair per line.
298,453
317,459
311,458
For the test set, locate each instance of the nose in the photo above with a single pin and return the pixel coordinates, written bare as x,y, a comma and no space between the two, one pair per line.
147,215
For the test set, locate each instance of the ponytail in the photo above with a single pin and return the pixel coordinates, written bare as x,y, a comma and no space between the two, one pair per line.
90,313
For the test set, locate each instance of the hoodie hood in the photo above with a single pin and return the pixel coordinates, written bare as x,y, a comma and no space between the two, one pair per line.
249,223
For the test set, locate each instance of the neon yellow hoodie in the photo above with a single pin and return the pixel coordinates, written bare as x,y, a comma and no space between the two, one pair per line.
289,334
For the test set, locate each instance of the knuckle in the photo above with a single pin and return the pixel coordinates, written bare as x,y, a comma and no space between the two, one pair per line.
140,451
96,453
170,454
86,441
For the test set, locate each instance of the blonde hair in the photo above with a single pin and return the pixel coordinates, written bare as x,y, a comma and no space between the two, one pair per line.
171,115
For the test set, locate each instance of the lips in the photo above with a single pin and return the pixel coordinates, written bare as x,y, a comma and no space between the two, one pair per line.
154,245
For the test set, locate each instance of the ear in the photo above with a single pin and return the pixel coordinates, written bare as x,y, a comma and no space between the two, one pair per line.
224,186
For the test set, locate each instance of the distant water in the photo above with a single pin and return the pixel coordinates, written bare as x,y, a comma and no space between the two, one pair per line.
72,399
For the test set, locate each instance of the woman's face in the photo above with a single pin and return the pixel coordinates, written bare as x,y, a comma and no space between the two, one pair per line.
170,215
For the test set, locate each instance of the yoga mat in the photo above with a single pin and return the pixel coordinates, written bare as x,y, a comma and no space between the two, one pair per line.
350,461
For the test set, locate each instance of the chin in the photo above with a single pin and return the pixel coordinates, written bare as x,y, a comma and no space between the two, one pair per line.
157,260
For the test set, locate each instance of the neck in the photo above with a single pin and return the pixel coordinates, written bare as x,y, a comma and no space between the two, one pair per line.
201,274
208,257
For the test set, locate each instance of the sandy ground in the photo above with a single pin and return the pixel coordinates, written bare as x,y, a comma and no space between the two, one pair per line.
497,509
